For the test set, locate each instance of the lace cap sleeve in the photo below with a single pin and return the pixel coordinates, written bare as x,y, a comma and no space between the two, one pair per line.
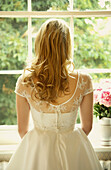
89,86
19,88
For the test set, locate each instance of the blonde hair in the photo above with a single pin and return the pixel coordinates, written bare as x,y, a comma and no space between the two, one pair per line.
53,51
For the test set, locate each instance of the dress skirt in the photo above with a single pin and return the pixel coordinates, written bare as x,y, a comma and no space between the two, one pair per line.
49,150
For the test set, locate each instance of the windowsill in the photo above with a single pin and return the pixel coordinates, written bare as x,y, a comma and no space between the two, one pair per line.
94,137
9,140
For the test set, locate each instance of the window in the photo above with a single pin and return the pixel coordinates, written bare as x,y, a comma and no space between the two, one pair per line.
19,21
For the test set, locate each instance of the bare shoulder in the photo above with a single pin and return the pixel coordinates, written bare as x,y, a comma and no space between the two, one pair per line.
82,75
19,80
85,76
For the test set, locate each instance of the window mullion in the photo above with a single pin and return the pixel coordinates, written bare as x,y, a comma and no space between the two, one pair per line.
71,5
46,14
95,70
29,5
72,34
72,25
29,31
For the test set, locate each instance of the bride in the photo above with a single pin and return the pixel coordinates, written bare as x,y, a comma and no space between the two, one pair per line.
53,96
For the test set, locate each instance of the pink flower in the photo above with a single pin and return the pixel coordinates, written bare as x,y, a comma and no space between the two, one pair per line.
96,98
102,94
100,89
96,95
105,98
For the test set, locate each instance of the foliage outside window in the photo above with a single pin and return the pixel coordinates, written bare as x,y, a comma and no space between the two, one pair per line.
92,41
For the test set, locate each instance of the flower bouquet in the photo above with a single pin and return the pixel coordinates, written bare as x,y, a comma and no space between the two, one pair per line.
102,109
102,100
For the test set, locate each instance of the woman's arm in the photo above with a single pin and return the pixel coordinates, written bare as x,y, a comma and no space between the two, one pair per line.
86,113
23,114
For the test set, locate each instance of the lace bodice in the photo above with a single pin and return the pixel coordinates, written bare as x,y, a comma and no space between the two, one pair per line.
59,117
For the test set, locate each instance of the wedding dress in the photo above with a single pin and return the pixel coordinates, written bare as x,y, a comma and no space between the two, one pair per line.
54,143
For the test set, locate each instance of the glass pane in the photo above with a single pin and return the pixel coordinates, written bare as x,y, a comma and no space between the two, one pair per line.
92,43
7,99
92,5
13,5
13,43
36,24
98,77
41,5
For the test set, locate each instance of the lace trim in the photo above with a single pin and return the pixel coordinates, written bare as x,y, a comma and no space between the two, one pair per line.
56,108
77,102
54,121
82,84
22,95
88,91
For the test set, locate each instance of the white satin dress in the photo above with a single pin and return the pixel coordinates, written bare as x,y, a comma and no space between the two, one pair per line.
54,143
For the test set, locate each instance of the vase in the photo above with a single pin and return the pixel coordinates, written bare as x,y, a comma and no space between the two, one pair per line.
105,130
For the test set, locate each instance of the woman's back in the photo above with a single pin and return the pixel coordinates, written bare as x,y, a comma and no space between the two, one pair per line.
53,97
65,108
54,143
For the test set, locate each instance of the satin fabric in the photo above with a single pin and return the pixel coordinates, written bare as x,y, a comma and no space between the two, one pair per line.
52,150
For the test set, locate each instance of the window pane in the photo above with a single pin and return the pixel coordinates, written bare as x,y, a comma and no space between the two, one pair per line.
92,43
98,77
41,5
13,5
13,43
92,5
7,99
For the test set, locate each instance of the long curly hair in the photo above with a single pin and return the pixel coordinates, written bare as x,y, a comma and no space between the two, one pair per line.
53,53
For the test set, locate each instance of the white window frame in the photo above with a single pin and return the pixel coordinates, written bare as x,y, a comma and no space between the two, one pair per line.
50,14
